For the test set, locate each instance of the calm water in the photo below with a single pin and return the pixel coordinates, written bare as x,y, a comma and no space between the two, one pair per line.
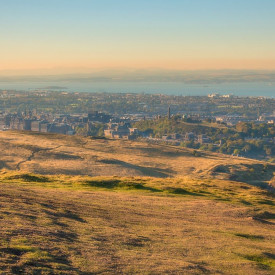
169,88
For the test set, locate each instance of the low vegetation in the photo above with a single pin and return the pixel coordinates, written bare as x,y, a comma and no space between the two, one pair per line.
74,155
58,224
246,138
75,205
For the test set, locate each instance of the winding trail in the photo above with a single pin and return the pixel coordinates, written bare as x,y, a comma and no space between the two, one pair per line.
30,158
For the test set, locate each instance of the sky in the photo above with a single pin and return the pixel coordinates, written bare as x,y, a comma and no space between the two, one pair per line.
60,36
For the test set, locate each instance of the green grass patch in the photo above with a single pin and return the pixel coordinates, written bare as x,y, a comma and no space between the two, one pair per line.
113,225
263,261
214,189
119,184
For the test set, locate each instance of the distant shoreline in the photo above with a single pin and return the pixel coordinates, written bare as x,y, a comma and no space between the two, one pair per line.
254,89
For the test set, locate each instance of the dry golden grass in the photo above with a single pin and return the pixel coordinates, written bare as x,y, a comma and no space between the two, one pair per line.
122,207
59,154
83,225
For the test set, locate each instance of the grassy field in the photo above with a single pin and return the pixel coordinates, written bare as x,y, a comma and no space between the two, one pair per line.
75,205
111,225
72,155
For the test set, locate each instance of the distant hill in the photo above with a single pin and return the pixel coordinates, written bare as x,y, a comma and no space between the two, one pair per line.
76,155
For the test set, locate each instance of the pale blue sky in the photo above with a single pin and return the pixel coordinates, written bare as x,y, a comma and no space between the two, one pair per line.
180,34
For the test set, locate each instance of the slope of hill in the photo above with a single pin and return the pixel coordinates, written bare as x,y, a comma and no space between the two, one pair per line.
82,225
75,205
75,155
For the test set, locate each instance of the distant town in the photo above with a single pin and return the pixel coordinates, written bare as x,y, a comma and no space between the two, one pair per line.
242,126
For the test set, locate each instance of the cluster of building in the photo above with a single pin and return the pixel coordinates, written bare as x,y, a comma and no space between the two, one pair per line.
45,123
217,95
231,120
235,119
121,130
268,118
15,122
202,139
68,124
114,127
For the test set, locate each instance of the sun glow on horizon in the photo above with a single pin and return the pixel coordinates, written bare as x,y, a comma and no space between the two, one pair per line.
78,36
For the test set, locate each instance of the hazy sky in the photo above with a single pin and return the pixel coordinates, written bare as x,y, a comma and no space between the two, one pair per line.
74,35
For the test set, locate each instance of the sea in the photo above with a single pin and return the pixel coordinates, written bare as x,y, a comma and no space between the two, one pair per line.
253,89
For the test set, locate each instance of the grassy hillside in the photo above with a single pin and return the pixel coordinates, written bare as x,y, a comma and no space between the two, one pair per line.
75,205
59,154
111,225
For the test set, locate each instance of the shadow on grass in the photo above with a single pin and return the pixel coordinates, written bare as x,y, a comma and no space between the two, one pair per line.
137,242
60,156
266,202
263,261
26,216
264,217
245,202
29,178
12,251
269,255
146,171
117,184
253,174
3,164
249,236
32,260
56,216
155,152
181,191
62,235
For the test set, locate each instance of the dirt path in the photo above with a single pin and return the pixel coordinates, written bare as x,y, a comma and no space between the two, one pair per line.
30,158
